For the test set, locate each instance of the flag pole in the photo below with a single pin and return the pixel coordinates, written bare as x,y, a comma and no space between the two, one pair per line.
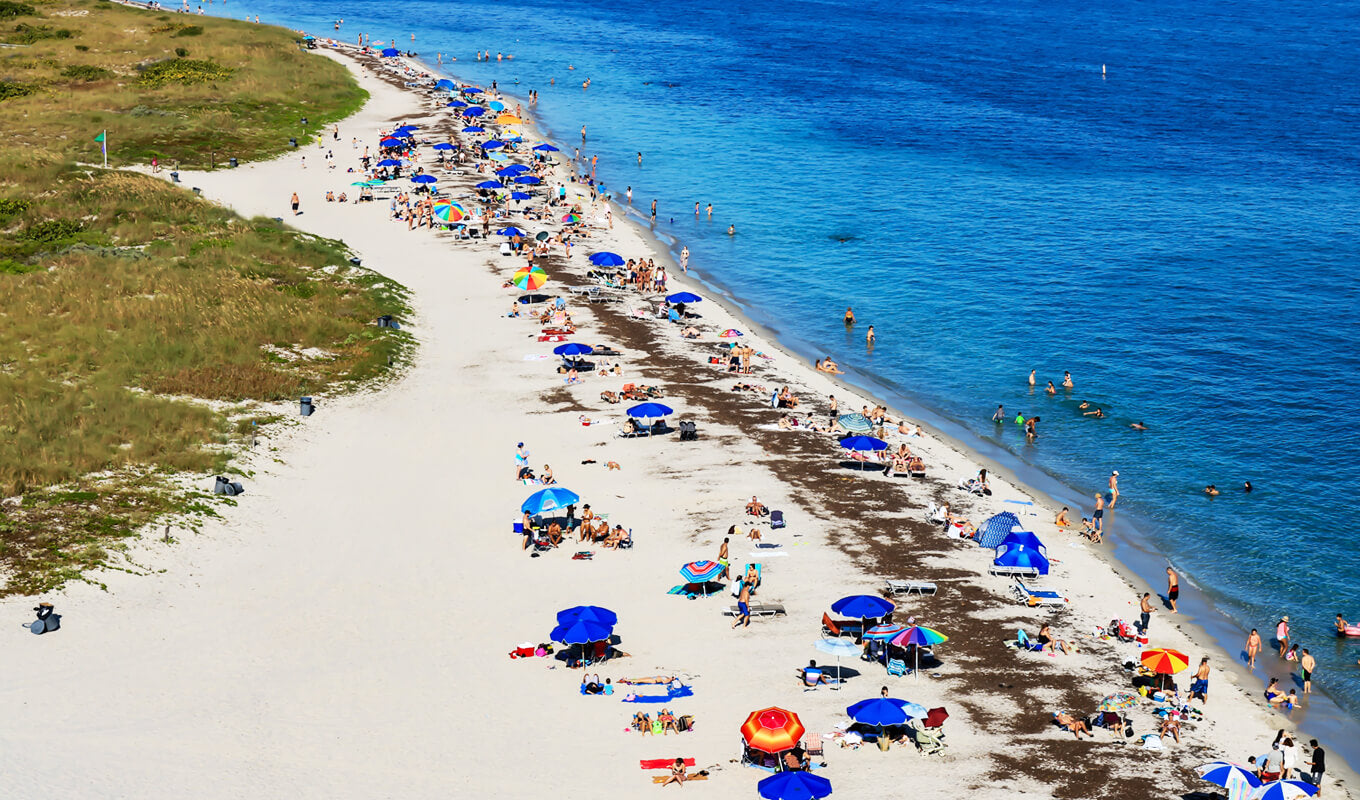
104,145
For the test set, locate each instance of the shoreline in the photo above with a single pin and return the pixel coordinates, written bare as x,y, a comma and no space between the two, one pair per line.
809,578
1132,552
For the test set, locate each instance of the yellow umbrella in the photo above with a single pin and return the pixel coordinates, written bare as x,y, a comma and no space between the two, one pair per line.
1165,661
507,119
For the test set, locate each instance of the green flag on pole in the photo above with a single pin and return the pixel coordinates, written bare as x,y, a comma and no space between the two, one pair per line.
102,138
99,138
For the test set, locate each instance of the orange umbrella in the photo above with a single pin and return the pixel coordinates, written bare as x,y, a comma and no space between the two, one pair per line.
1164,661
772,730
507,119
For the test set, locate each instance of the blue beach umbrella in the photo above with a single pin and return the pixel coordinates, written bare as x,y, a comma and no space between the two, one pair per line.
884,711
512,231
529,180
546,148
520,196
573,349
492,144
650,411
406,129
1017,555
457,104
496,105
512,170
581,631
490,185
424,179
1226,773
498,157
474,129
606,259
863,444
683,297
863,606
391,141
474,111
549,499
794,786
443,83
443,146
1284,790
390,52
471,90
390,162
596,614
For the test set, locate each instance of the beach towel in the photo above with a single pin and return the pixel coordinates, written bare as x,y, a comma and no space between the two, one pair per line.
671,694
662,763
680,589
698,776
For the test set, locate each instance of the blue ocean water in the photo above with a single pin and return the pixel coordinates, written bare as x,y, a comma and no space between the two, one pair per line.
1178,232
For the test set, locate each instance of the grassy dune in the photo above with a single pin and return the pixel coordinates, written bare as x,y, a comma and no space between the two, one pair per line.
125,302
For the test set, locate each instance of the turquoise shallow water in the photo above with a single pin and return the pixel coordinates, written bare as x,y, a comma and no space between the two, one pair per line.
1178,233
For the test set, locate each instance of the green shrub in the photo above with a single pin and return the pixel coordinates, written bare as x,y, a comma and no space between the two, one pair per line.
28,34
9,89
190,30
83,48
10,10
82,72
183,71
51,230
11,267
181,52
12,207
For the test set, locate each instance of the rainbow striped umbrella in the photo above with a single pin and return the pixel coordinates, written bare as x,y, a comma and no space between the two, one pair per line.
573,217
920,636
529,278
1165,661
885,631
449,211
730,333
701,572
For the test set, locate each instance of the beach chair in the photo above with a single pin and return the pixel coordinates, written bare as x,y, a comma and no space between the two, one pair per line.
689,432
840,627
1039,595
813,745
1014,572
927,740
897,666
776,520
759,610
911,587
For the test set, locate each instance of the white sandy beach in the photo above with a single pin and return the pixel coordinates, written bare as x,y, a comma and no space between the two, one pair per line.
343,631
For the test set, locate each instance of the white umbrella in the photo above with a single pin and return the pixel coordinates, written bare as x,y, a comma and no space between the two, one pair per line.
837,648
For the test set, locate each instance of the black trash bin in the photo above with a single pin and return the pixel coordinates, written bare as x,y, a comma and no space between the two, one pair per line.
292,141
305,407
233,162
174,176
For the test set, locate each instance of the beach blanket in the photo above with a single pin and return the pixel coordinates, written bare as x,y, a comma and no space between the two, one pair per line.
662,763
671,694
698,776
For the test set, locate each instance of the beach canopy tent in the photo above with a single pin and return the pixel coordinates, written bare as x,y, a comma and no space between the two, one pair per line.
683,297
581,631
1020,556
863,606
573,349
606,259
545,148
1025,539
772,730
444,83
796,785
443,146
992,532
552,498
603,616
1228,775
390,52
650,411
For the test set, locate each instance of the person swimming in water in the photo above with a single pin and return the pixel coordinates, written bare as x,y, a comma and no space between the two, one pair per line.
1000,415
1098,414
1051,388
1067,380
1211,490
1139,426
849,316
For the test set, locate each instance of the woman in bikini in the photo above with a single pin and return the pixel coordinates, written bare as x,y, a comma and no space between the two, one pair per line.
677,773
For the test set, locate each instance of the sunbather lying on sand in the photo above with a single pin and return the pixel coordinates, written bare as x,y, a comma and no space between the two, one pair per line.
654,679
1069,723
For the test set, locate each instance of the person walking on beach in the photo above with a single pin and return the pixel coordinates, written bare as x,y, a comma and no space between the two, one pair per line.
1173,588
744,606
1306,666
1097,516
1253,647
294,201
723,560
684,256
1114,486
1317,765
1282,635
1145,610
833,410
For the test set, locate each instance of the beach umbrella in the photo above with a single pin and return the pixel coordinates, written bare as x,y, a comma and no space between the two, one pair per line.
602,616
921,637
492,144
391,142
404,129
390,52
1017,555
545,148
794,786
1284,790
512,170
474,129
542,236
359,183
512,232
856,423
496,105
606,259
529,180
772,730
1165,661
443,83
424,179
474,111
457,104
1120,701
499,158
701,572
471,90
581,631
511,135
443,146
997,527
884,711
507,119
884,631
730,333
529,279
573,217
521,196
573,349
390,162
1228,774
837,648
650,411
863,444
490,185
549,499
683,297
863,606
449,211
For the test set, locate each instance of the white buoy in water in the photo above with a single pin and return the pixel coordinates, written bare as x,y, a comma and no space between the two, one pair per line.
1102,70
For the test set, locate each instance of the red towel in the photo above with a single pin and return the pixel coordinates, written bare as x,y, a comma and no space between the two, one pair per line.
662,763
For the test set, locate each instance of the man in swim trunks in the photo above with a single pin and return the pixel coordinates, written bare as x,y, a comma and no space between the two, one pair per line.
1306,666
1098,516
722,559
1145,610
1199,687
1000,415
1173,588
743,606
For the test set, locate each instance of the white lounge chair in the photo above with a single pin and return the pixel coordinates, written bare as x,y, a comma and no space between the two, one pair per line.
911,587
1039,595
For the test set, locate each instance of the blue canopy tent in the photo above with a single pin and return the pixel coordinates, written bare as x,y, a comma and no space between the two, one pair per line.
1018,555
995,529
443,83
1027,539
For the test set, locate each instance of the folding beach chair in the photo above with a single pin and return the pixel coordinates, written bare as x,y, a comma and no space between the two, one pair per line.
911,587
813,745
1039,595
897,666
1015,572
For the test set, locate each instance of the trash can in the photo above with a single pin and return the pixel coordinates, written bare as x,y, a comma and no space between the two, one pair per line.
197,190
385,321
355,261
174,176
305,407
292,141
233,162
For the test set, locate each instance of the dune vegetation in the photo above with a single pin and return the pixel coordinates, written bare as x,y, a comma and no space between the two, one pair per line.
141,328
